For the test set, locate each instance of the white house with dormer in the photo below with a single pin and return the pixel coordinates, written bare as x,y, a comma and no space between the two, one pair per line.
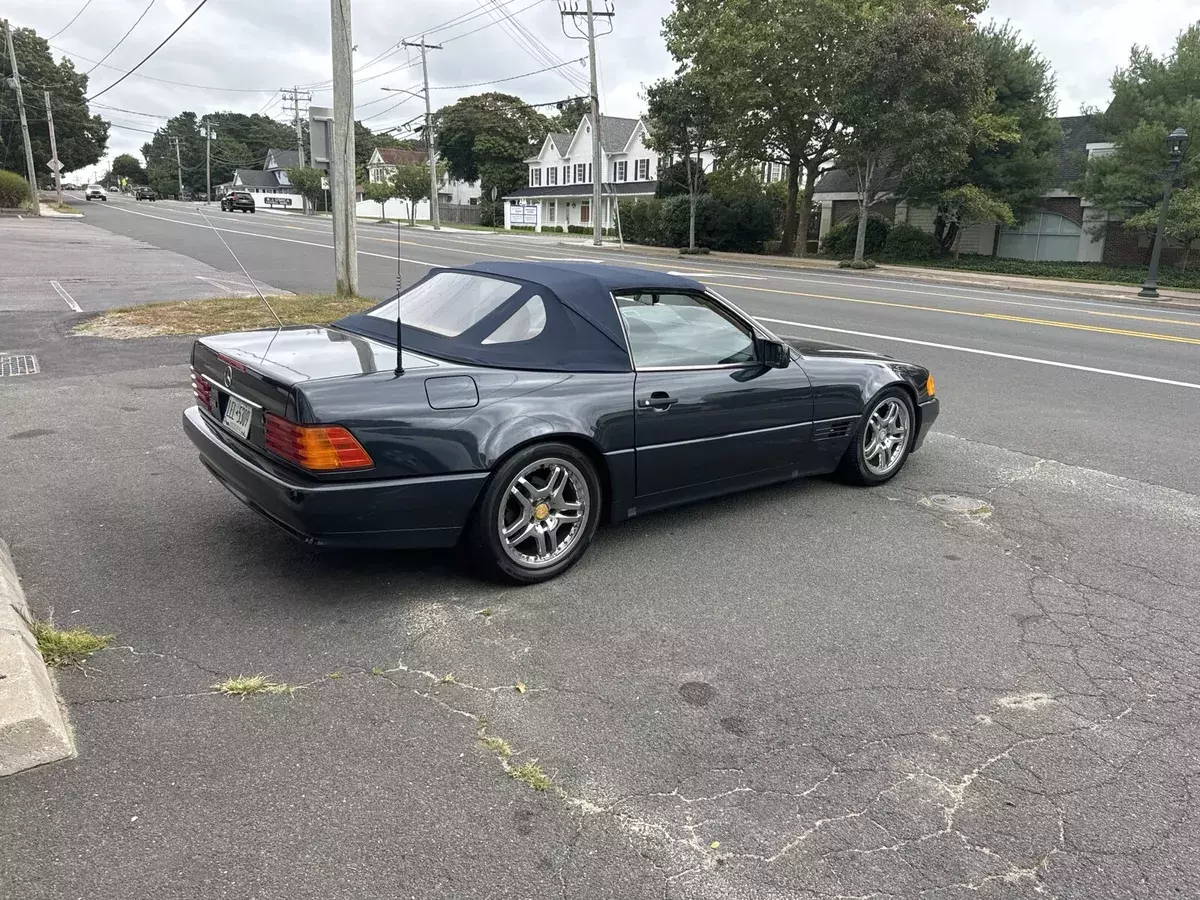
559,191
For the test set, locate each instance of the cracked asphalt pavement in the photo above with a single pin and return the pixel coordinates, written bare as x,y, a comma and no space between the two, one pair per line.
807,691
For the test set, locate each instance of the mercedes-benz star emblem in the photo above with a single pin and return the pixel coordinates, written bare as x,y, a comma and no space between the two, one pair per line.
229,376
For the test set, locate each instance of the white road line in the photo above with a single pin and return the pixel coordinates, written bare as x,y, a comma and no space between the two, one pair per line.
271,237
220,285
1027,359
686,274
67,298
557,258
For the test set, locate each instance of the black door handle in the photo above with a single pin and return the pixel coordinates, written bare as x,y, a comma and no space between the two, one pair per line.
659,400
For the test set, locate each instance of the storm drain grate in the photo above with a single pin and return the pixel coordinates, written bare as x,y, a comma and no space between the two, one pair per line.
18,364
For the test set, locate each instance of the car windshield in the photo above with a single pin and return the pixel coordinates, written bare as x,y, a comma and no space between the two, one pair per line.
450,302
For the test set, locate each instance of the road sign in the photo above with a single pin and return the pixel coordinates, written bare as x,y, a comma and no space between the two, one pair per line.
54,165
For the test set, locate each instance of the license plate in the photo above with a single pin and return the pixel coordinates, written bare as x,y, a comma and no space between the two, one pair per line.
237,417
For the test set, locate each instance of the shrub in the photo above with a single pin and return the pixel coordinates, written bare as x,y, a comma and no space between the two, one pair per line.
521,228
14,190
910,243
640,220
694,251
840,239
587,229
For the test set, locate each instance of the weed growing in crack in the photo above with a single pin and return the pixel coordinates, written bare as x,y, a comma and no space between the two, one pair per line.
497,745
449,678
243,686
66,647
520,687
486,612
375,670
531,774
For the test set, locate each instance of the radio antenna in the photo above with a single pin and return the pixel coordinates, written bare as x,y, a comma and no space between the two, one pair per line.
200,209
399,324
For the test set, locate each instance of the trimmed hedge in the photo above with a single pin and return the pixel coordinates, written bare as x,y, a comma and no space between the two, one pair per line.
14,190
908,242
587,229
840,240
1168,277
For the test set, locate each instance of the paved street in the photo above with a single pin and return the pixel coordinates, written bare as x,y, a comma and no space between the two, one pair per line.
807,691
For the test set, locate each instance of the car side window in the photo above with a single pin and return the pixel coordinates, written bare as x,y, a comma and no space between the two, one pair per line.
668,330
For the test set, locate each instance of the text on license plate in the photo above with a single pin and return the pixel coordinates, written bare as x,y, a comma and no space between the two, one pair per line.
237,417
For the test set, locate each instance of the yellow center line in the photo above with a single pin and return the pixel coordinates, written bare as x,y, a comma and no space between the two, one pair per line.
1025,320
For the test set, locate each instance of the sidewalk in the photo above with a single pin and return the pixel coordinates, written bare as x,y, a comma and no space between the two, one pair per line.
1125,293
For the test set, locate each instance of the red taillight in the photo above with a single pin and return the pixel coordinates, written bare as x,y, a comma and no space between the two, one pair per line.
201,389
318,448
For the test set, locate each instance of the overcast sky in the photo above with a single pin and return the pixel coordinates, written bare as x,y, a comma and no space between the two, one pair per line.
236,53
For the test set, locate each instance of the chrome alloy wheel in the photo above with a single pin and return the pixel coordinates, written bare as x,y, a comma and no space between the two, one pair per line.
886,436
544,512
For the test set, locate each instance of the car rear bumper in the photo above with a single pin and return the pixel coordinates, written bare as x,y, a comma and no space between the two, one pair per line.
927,414
396,513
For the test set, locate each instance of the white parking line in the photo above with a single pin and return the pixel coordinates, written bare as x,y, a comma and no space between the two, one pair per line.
1027,359
70,301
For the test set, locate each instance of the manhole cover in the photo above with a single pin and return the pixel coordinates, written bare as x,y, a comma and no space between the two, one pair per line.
18,364
954,503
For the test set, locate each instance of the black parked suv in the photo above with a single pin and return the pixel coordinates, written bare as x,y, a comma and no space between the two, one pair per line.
237,200
145,193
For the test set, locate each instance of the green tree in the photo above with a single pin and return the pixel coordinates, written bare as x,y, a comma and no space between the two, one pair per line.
911,94
569,114
1183,219
968,205
411,184
773,64
81,136
381,192
1014,152
683,116
1151,97
488,137
127,166
308,182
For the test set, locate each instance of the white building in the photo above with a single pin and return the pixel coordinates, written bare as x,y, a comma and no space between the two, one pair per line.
559,191
385,160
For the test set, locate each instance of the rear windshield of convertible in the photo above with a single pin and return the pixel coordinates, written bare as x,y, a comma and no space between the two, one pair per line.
450,302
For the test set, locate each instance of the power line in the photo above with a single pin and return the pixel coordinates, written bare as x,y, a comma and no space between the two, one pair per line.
201,87
72,22
455,87
122,40
199,7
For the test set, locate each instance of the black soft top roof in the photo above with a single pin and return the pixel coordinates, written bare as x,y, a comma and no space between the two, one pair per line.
582,331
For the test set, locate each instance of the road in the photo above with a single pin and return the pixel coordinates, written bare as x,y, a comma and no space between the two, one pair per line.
1091,383
802,692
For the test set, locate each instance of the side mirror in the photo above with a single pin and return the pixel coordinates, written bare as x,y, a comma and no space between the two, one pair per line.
772,354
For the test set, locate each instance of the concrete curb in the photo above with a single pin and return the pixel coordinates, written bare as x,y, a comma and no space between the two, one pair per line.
33,726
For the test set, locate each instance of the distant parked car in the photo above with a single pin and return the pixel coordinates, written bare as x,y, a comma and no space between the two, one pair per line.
237,200
145,193
95,192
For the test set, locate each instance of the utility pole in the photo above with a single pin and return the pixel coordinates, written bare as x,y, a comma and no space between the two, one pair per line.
341,164
16,83
296,96
435,216
54,151
178,167
597,165
209,134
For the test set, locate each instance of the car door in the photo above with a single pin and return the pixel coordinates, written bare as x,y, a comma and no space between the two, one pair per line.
708,416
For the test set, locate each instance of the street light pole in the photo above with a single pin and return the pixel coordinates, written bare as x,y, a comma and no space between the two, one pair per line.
1177,144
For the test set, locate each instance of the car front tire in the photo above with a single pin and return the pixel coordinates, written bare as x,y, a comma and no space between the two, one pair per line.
882,441
537,515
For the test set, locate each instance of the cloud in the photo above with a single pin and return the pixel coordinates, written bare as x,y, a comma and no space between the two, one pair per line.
239,55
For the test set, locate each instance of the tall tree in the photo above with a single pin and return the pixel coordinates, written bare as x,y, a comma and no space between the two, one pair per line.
1183,219
911,96
683,116
569,114
1014,151
127,166
81,136
488,137
773,64
1151,97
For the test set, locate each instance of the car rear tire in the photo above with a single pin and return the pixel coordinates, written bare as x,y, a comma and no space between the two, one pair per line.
882,441
537,515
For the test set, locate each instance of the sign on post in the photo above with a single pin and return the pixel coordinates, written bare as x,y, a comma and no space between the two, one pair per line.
54,165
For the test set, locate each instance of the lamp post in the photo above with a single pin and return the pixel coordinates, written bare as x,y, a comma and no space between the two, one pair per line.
1177,144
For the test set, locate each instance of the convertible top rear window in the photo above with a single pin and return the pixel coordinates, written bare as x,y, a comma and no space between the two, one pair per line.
449,303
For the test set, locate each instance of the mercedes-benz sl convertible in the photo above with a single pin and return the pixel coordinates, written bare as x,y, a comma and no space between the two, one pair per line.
530,402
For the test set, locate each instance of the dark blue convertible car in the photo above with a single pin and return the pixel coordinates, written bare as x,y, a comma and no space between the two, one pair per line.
530,402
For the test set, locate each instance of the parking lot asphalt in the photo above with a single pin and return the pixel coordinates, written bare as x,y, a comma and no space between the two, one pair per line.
808,691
